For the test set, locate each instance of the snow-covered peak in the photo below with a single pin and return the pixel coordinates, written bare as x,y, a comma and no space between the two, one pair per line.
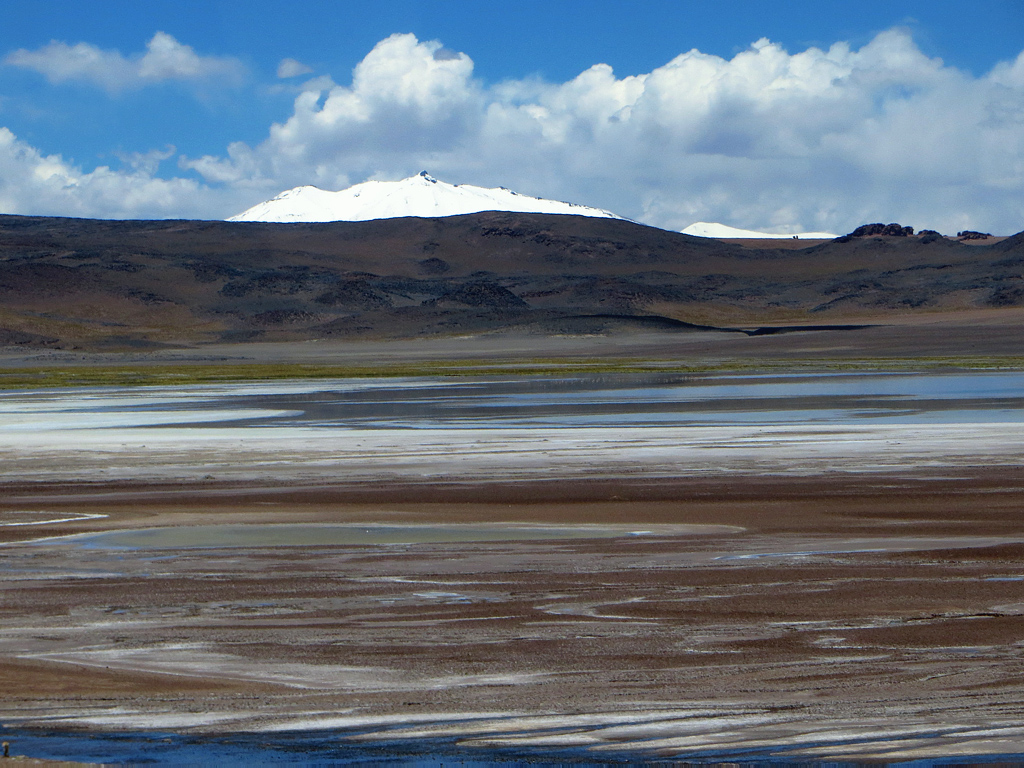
420,195
723,231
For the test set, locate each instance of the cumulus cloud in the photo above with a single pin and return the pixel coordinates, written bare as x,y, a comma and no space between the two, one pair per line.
146,162
407,99
292,68
813,140
32,183
820,139
165,59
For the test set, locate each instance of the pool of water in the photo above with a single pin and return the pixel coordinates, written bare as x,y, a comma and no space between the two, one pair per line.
332,748
313,534
246,749
509,403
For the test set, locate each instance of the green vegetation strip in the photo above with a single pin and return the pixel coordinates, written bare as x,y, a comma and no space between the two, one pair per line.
170,374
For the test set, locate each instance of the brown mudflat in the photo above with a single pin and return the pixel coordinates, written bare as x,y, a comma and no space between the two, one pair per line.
992,336
865,613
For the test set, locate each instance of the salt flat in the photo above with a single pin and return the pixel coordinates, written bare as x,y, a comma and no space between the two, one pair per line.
842,589
308,456
422,430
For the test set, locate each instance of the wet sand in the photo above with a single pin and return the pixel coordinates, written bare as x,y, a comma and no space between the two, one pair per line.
808,594
877,618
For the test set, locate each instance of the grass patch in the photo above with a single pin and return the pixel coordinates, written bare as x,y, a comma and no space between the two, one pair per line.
171,374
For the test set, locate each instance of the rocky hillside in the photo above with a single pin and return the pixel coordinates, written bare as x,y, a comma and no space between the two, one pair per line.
101,284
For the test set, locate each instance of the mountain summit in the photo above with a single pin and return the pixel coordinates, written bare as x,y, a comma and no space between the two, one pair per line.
421,195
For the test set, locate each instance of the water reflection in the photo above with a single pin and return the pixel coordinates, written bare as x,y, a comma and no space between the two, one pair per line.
605,400
309,534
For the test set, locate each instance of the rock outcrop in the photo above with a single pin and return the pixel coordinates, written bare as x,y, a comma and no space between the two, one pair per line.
874,230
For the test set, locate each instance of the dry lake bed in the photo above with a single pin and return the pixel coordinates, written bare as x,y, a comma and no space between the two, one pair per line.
594,568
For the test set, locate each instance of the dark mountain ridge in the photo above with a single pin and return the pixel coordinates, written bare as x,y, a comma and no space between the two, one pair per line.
82,282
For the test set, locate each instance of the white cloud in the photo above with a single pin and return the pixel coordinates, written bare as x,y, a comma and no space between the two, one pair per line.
146,162
813,140
32,183
165,59
407,98
292,68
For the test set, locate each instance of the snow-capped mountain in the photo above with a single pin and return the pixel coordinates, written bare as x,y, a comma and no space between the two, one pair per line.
720,231
421,195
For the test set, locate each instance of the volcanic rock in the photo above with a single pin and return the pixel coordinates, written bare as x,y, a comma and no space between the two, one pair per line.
874,230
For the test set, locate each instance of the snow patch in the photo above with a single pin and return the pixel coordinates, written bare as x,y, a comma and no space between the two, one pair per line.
420,195
716,230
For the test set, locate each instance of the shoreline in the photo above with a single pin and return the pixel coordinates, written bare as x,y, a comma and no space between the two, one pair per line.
132,374
903,341
822,743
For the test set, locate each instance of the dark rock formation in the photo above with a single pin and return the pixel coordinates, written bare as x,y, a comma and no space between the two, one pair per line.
353,294
434,265
874,230
478,294
970,234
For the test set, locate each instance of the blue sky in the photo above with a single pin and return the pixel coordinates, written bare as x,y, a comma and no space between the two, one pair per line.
769,126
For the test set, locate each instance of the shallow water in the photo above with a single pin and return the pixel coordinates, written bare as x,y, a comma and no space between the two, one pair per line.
246,749
333,748
577,401
305,535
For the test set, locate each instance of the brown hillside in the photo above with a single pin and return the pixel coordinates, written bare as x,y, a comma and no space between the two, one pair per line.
89,283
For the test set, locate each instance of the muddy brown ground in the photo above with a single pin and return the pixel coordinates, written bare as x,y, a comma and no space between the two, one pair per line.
876,616
878,337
